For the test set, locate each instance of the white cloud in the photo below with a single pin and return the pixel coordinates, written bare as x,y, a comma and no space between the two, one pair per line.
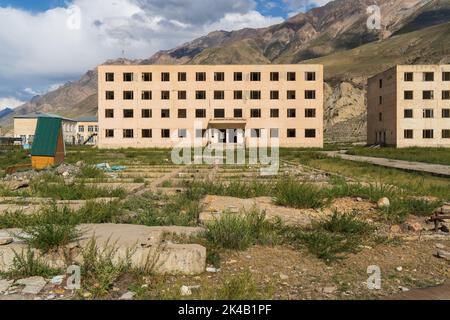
10,102
39,50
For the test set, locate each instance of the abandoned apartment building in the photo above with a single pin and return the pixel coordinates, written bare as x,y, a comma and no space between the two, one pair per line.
151,106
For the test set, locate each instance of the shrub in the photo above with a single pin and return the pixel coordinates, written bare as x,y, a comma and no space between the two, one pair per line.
26,264
293,194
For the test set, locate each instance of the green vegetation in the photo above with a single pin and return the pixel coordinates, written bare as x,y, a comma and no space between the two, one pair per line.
90,172
291,193
26,264
427,155
13,157
46,235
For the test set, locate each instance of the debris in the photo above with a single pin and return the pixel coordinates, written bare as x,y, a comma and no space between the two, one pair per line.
127,296
329,290
107,168
87,295
443,255
33,285
399,269
51,297
5,285
185,291
5,240
57,280
15,185
404,289
212,270
383,203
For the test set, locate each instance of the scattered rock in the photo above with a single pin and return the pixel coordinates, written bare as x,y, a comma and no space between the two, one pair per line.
443,255
399,269
383,203
212,270
415,227
17,184
440,246
128,296
80,164
58,280
33,285
185,291
359,199
87,295
51,297
404,289
232,261
284,277
5,285
396,229
329,290
5,240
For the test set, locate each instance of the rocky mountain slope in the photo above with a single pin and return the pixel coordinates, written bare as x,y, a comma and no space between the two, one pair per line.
335,35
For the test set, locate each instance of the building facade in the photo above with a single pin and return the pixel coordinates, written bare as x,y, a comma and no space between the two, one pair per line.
25,127
409,106
146,106
87,131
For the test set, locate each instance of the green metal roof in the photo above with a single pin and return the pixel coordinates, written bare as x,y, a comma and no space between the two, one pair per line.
46,137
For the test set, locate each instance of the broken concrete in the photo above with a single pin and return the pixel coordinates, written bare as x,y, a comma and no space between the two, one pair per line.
33,285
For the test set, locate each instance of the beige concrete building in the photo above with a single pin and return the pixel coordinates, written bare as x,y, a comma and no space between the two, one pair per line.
144,106
25,127
87,131
409,106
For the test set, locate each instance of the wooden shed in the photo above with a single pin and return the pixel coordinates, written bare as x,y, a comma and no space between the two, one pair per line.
48,145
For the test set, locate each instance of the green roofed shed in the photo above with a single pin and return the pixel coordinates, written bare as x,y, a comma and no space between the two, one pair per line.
48,145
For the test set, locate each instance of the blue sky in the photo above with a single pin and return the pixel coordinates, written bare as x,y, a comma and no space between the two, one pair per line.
45,43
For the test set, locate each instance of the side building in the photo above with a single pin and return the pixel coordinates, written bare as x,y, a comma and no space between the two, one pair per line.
87,131
409,106
152,106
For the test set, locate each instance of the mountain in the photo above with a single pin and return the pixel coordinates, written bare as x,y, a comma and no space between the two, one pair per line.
5,112
413,31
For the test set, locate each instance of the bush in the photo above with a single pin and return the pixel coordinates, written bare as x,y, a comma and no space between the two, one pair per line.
26,264
290,193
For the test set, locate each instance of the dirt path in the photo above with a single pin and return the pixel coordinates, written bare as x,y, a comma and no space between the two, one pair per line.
434,169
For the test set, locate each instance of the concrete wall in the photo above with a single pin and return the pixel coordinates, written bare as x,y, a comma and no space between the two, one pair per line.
156,123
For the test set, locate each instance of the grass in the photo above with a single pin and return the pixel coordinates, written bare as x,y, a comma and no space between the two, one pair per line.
290,193
427,155
27,264
240,231
13,157
48,235
238,189
90,172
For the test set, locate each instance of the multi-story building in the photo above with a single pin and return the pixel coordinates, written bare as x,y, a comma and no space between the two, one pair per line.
87,131
409,106
25,127
149,105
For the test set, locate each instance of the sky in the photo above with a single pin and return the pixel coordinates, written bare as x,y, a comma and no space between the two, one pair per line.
46,43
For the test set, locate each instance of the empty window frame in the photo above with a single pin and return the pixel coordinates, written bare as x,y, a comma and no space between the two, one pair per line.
291,113
446,113
238,76
274,76
109,95
165,95
128,113
428,113
408,113
146,113
200,76
445,76
147,133
109,133
291,95
127,77
255,113
291,76
445,94
109,77
255,95
237,113
128,133
182,95
182,77
310,113
147,77
274,113
200,95
428,134
165,77
408,134
408,95
428,76
428,95
291,133
255,76
310,76
310,94
165,113
219,113
237,95
165,133
146,95
219,95
109,113
408,76
200,113
445,133
274,95
182,113
128,95
310,133
219,76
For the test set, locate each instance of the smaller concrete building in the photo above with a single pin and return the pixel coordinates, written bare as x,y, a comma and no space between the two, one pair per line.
87,131
409,106
25,127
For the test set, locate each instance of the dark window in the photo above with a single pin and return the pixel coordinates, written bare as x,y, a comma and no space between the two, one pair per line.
380,116
310,76
146,113
445,76
109,77
165,95
238,113
109,113
109,95
446,95
310,113
146,95
200,76
380,84
291,76
256,133
147,76
165,133
428,134
428,95
165,113
408,113
380,100
428,76
274,76
310,133
428,113
200,113
291,95
182,77
128,113
310,94
255,95
182,113
238,76
182,133
109,133
291,133
274,95
200,95
408,134
147,133
255,76
445,113
255,113
219,76
274,113
219,95
219,113
291,113
165,77
238,95
128,133
182,95
446,134
409,77
127,77
408,95
128,95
